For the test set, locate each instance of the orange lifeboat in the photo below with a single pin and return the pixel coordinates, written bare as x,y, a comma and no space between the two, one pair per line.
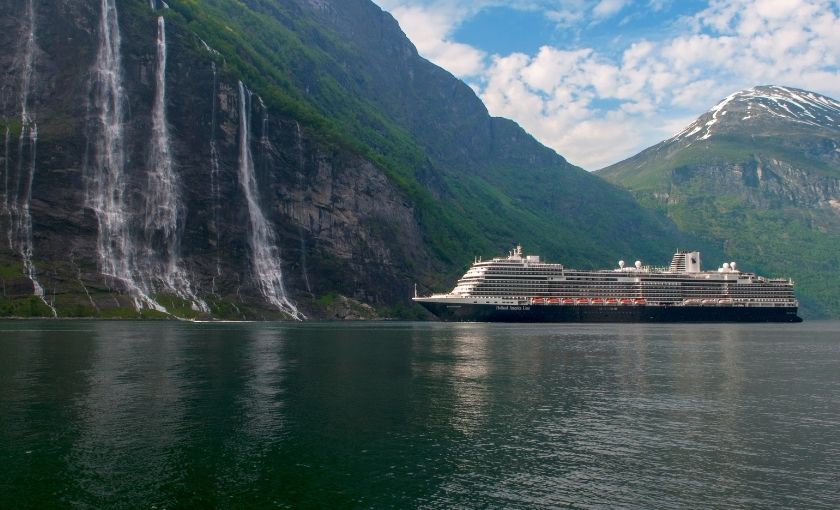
553,301
537,300
597,301
568,301
626,301
640,301
582,301
612,301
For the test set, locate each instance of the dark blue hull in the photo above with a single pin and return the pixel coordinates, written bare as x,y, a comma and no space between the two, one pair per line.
608,313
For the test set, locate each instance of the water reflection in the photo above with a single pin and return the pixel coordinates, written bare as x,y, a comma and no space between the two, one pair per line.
259,407
468,378
38,371
132,416
418,415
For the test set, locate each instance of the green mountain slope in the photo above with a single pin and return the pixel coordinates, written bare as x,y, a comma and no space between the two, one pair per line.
480,183
759,175
310,153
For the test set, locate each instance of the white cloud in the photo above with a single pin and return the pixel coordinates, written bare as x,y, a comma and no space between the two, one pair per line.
596,108
607,8
430,28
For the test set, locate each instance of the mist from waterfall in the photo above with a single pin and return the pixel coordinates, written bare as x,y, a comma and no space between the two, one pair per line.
265,256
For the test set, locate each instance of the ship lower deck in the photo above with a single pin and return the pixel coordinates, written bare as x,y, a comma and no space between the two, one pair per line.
467,312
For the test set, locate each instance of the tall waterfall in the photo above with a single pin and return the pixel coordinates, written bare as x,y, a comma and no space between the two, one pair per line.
20,213
107,182
16,210
214,174
163,211
265,257
6,171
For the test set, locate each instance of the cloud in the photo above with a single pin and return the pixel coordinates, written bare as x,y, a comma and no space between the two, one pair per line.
595,105
429,27
607,8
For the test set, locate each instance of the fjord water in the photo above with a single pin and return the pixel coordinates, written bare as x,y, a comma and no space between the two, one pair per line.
407,415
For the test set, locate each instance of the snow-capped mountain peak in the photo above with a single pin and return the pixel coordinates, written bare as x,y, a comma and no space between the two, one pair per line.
761,104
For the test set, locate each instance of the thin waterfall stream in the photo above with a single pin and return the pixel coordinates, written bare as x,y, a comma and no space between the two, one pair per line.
163,210
20,213
265,258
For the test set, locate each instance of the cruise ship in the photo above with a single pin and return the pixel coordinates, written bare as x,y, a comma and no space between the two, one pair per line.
522,288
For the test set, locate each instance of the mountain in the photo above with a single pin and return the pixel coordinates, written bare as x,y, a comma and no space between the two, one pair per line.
759,176
265,158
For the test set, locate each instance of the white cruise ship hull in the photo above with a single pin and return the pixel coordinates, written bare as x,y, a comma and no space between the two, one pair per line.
464,312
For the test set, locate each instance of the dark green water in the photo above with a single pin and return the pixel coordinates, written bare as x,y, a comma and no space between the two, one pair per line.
416,415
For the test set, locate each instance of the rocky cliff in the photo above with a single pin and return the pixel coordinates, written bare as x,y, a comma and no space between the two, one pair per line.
263,160
107,215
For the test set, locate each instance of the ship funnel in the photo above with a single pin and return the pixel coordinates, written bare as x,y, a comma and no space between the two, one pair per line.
685,262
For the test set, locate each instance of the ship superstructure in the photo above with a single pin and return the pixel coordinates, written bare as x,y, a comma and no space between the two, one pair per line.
523,288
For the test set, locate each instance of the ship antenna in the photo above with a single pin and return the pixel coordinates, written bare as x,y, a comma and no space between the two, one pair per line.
415,290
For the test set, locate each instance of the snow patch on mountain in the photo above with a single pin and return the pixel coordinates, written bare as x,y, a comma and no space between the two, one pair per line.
785,103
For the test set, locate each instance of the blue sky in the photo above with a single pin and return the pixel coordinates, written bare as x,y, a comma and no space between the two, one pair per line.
600,80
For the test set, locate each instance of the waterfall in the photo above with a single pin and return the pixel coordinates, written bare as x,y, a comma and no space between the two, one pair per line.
265,259
16,211
107,184
161,228
6,171
28,68
299,146
26,247
20,228
214,175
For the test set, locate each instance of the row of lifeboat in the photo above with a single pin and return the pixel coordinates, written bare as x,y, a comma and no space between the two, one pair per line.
587,301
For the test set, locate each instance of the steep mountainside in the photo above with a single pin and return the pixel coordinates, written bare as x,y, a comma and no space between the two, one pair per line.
264,159
760,175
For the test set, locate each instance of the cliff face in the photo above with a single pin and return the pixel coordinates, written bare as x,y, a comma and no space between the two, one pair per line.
265,159
182,233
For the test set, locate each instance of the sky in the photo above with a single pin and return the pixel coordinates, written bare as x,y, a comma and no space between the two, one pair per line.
600,80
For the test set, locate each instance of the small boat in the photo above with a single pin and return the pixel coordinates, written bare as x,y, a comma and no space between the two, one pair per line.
597,301
582,301
640,301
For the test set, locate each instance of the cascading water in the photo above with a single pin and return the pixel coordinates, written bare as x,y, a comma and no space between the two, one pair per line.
16,219
26,246
161,228
299,146
214,175
265,259
300,158
106,179
20,224
6,171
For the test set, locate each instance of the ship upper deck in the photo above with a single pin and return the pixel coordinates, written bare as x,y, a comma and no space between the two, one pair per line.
523,276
